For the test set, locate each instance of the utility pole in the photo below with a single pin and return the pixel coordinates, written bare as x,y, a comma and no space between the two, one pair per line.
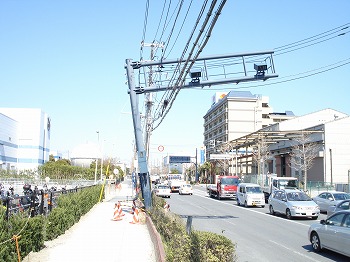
148,97
140,148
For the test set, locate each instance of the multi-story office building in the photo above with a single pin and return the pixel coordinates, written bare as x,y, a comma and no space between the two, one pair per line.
24,138
236,114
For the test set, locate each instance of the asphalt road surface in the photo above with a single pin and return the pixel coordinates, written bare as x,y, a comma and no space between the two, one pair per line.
259,236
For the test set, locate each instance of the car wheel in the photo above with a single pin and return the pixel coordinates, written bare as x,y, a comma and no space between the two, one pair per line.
238,204
314,218
262,206
315,242
245,204
288,214
272,212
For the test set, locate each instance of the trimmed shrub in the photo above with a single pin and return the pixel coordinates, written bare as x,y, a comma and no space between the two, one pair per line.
179,246
32,231
211,247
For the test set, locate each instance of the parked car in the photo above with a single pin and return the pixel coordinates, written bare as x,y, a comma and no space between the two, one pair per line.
249,194
186,189
330,198
162,190
343,205
293,203
332,233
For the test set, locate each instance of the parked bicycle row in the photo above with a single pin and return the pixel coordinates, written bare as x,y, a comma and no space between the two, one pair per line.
34,201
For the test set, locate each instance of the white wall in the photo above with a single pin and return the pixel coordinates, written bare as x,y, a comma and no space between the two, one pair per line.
8,142
33,136
337,138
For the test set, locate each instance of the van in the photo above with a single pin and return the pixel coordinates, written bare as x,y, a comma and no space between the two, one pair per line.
249,194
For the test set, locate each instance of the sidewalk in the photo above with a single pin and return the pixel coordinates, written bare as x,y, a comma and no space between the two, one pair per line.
96,237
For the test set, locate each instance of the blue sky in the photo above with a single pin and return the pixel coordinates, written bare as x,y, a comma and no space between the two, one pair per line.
67,58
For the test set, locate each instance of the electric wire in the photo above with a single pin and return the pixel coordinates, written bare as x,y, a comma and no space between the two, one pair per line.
160,20
183,68
166,95
175,70
144,28
213,22
336,29
180,30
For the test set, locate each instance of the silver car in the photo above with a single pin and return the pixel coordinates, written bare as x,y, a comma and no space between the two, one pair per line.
332,233
343,205
330,198
162,190
293,203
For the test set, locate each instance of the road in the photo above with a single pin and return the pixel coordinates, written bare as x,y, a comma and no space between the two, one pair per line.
259,236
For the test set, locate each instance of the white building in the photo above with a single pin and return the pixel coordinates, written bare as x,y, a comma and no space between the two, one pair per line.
24,138
332,133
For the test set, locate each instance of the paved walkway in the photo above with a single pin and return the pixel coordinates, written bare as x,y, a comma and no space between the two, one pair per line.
96,237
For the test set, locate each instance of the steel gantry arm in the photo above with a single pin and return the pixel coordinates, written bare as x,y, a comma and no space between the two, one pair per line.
208,71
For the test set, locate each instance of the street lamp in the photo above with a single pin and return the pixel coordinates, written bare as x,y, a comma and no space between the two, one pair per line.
102,158
98,140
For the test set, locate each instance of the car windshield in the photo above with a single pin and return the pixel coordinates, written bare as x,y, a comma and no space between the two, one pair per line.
163,187
341,196
298,196
288,183
229,181
255,189
187,186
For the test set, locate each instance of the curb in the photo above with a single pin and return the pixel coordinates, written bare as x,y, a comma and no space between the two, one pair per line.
156,239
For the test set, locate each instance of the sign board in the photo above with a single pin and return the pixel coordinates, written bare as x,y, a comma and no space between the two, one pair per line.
179,159
220,156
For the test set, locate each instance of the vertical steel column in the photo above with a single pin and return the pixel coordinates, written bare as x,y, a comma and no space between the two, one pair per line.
140,148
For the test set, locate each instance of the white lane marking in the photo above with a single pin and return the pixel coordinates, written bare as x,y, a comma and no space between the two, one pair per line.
296,252
257,212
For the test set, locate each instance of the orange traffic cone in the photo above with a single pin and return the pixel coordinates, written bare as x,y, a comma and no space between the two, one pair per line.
116,215
120,210
135,217
133,207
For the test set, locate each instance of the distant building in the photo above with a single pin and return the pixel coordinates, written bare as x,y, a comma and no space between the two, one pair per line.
24,138
83,155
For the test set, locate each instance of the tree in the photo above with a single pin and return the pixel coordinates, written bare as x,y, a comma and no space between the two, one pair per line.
261,154
304,151
205,168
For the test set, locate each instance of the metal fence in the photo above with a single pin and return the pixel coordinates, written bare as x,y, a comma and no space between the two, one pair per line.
35,202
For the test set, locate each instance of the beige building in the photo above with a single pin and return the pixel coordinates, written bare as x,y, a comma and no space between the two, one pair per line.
236,114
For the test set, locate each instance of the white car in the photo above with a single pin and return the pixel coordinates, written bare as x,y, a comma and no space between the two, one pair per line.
249,194
186,189
330,198
293,203
332,233
162,190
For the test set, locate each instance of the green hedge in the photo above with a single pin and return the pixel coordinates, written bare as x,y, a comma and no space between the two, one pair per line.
34,231
199,246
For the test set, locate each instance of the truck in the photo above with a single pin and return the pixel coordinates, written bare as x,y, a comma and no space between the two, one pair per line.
175,184
225,187
274,182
